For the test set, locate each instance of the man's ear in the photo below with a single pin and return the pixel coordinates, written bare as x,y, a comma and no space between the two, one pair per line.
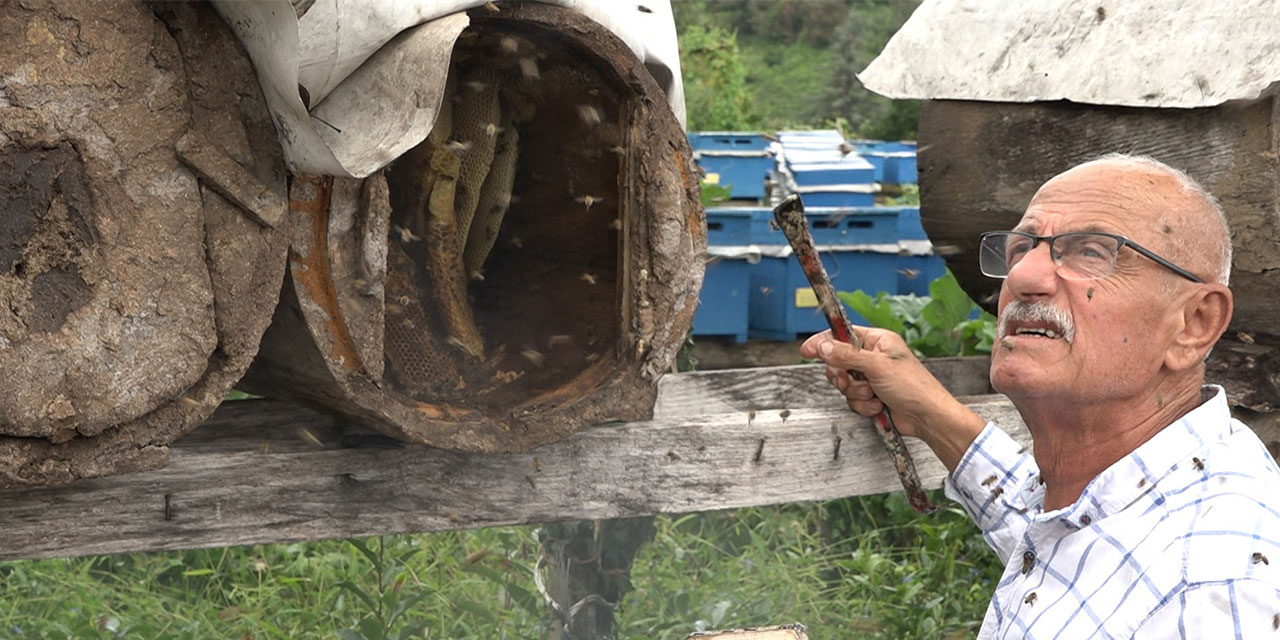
1205,316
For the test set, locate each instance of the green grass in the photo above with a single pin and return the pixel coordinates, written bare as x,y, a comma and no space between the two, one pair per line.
858,564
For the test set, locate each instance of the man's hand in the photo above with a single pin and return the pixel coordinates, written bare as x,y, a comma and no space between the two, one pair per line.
895,378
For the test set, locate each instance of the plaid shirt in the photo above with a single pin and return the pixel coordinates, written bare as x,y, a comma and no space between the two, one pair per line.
1175,540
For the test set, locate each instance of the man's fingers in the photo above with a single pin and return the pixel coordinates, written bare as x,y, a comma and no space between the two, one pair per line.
810,347
840,355
866,407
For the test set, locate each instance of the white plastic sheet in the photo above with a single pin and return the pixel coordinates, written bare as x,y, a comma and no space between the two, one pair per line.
373,71
1146,53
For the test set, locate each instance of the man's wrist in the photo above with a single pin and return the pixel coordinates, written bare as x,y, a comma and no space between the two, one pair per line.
951,434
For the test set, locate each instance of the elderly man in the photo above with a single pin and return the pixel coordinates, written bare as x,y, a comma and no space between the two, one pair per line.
1144,509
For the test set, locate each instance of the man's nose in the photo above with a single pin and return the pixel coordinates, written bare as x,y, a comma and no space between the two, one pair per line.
1035,275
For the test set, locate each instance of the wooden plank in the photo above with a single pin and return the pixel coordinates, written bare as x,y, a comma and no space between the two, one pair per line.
787,387
247,477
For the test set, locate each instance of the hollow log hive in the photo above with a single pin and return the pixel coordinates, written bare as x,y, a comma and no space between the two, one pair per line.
530,268
138,261
981,162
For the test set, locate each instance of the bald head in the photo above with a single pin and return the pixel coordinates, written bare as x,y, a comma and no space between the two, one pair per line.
1192,223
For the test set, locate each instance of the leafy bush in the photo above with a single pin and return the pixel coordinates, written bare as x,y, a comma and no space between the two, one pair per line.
941,324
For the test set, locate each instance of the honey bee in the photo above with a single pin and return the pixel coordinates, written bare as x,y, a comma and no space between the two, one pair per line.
453,517
559,339
587,278
1258,557
911,274
189,401
475,556
1245,338
529,69
588,200
517,242
991,479
509,44
533,355
784,414
1028,559
491,6
1030,599
615,224
310,438
751,415
1199,464
458,146
406,235
589,115
766,291
532,484
537,465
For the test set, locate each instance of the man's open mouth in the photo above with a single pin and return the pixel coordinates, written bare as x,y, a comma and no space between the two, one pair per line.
1035,320
1043,332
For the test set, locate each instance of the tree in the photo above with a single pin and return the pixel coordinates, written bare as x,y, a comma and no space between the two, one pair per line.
866,29
715,80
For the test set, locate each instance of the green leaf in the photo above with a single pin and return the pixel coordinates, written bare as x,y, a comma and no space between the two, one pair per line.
373,629
949,305
348,634
474,608
197,572
876,311
364,548
361,593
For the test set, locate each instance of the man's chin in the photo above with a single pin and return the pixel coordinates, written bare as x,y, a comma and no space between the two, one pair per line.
1013,375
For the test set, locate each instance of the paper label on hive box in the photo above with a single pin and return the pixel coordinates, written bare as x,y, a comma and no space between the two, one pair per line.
806,298
781,632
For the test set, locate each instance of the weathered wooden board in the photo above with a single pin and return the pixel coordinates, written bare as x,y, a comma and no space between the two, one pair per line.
250,476
981,162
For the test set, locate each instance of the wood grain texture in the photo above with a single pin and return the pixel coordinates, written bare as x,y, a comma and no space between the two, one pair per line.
247,477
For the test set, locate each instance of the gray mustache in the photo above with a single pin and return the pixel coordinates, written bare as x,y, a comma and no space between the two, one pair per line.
1018,311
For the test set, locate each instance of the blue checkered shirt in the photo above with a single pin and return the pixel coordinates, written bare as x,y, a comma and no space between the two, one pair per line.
1179,539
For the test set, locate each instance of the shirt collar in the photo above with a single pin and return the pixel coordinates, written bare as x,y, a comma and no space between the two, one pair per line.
1133,475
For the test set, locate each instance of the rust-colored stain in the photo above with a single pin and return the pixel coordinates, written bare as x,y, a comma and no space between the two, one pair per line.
315,276
443,411
693,219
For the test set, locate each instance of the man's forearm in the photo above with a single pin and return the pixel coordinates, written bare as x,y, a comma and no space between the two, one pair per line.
951,432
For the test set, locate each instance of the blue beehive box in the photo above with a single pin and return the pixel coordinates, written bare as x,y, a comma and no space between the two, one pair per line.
782,305
853,225
728,141
839,198
739,226
739,161
724,299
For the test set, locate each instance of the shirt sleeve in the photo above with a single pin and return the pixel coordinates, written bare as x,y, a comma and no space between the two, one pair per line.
1241,609
989,482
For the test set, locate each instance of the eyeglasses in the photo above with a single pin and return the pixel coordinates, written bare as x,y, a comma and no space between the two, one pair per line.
1080,255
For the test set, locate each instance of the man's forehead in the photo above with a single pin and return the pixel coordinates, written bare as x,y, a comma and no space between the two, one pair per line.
1099,197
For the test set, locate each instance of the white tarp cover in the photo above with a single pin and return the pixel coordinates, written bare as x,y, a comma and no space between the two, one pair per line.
1145,53
374,70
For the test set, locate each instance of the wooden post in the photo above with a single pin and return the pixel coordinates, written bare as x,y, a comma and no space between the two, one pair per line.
588,564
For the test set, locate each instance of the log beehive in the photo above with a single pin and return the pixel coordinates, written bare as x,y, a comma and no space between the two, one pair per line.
531,268
138,264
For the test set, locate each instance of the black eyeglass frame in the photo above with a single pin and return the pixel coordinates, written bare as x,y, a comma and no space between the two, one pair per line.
1124,242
